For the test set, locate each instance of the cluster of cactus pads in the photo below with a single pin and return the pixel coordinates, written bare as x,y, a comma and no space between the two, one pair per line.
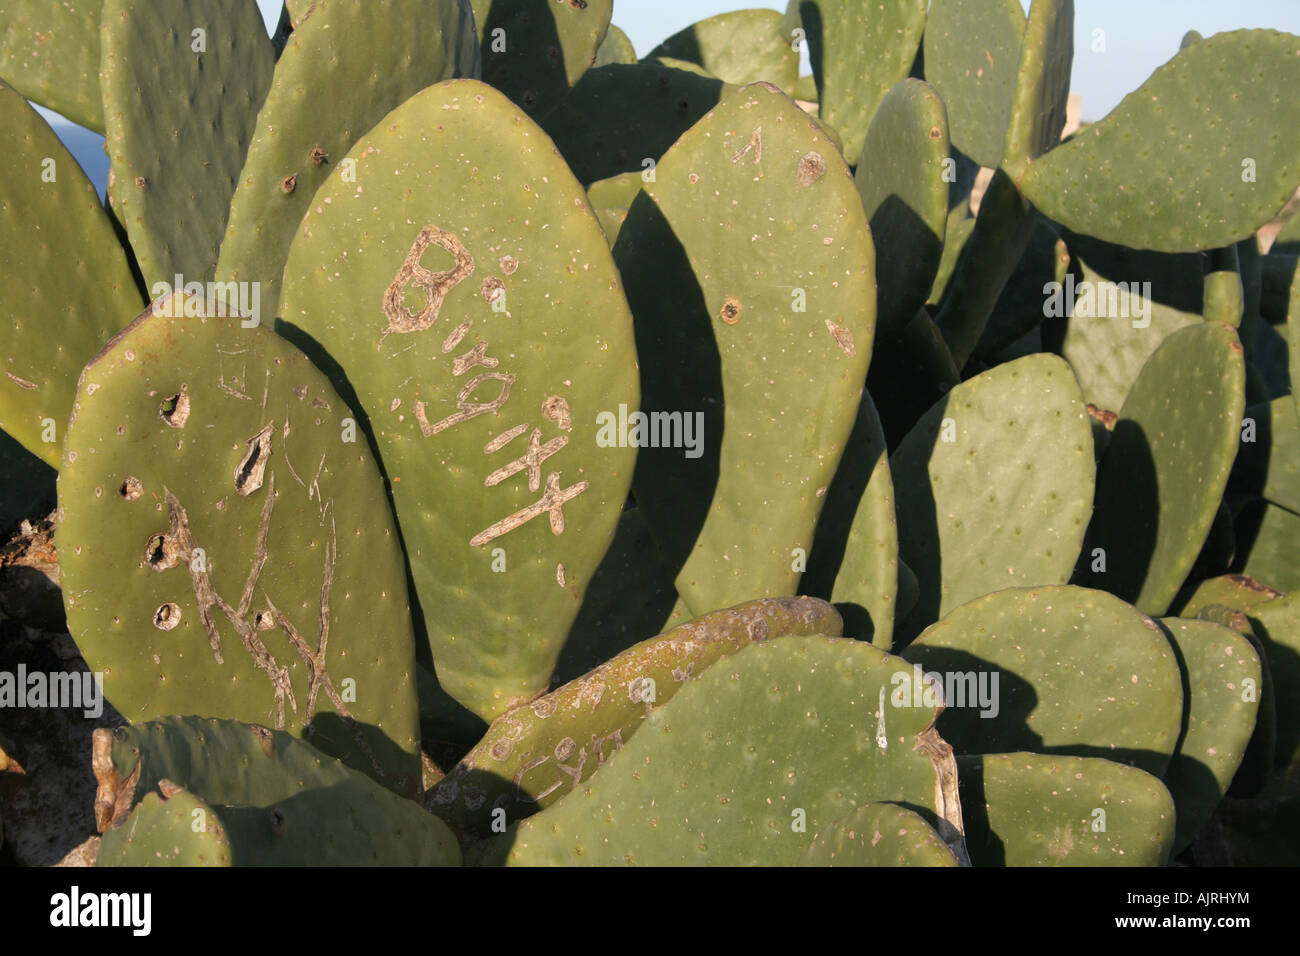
477,445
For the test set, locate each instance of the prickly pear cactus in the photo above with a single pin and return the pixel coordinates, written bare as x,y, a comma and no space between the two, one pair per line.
266,799
760,754
792,334
1017,671
64,282
1002,446
493,356
900,178
854,558
879,834
741,47
1242,165
972,52
534,755
623,117
1028,809
535,52
1005,222
297,145
225,544
858,52
182,83
1224,681
49,52
170,828
1164,473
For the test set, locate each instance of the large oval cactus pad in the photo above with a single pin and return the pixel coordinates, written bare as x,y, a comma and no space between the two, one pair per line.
1116,179
1164,472
787,303
226,547
1008,444
474,307
65,284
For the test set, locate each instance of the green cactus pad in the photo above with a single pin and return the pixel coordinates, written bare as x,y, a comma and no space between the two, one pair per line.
179,829
1223,682
994,486
1006,219
64,282
1268,462
972,54
859,52
1078,672
879,834
741,47
619,116
1268,546
535,51
488,404
900,179
615,192
854,557
1252,776
363,58
1028,809
1161,479
758,755
1116,321
225,546
179,122
1112,180
1237,591
1277,625
280,800
1224,293
535,755
49,52
753,318
615,48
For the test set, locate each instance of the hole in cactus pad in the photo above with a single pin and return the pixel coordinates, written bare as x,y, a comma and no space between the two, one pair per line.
131,488
167,616
175,411
162,552
250,471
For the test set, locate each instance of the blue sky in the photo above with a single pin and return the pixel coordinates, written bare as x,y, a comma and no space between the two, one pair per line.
1139,35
